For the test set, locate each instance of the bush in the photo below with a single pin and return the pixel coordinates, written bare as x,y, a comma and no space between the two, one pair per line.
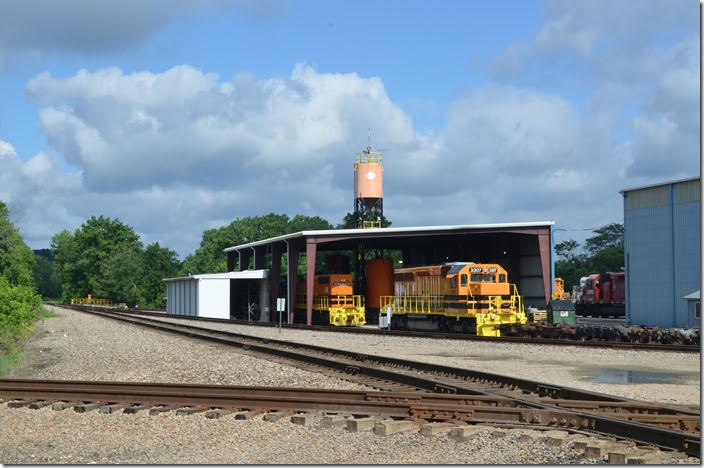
19,307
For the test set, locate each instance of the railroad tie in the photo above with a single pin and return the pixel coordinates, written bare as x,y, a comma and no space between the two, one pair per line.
304,419
188,410
62,405
464,433
159,409
360,424
331,420
135,408
109,409
436,428
19,403
217,413
248,414
39,404
86,407
392,427
276,415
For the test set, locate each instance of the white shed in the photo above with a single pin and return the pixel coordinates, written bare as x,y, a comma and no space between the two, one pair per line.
208,294
693,309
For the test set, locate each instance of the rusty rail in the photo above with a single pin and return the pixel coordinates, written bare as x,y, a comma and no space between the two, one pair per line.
445,336
436,378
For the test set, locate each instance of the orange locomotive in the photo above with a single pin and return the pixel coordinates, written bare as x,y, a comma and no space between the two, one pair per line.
333,300
475,297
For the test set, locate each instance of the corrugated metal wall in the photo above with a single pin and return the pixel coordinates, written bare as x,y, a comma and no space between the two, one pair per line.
662,252
182,297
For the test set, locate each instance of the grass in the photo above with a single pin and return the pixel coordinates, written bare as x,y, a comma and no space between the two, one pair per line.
10,345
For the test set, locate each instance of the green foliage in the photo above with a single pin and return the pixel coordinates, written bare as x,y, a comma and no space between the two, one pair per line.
209,257
604,252
16,259
105,258
46,278
157,263
607,237
348,222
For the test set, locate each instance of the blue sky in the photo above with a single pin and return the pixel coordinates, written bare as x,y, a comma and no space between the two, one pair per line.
180,116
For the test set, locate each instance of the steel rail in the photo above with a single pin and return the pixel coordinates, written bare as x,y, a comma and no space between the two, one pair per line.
429,334
643,433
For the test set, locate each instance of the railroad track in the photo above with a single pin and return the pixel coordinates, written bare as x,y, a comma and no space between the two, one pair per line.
448,336
666,426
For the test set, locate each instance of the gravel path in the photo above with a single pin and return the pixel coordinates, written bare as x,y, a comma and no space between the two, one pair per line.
666,377
78,346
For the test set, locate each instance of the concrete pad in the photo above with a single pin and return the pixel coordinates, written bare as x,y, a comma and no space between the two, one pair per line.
109,409
333,420
393,427
217,413
134,409
39,404
361,424
645,459
85,407
432,429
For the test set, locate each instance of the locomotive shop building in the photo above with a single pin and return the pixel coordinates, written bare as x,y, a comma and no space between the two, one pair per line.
523,249
662,253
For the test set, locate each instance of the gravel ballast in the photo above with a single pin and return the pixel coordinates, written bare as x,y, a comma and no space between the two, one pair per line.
77,346
667,377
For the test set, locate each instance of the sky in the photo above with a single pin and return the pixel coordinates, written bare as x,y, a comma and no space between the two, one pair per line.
179,116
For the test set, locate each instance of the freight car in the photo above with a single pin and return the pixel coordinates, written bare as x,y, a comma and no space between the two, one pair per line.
601,295
474,298
334,302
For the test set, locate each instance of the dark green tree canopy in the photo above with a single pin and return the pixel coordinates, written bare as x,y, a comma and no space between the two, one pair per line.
16,259
209,257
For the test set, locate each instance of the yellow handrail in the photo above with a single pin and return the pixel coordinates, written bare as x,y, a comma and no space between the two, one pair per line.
90,300
369,157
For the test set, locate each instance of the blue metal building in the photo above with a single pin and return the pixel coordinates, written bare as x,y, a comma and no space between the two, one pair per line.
662,252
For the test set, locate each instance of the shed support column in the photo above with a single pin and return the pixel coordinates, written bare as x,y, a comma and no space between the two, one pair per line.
231,260
276,252
311,249
259,253
545,263
244,259
292,270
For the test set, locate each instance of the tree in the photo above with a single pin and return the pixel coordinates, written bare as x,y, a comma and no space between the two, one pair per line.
16,259
348,222
120,276
603,252
46,278
209,257
157,263
607,237
65,254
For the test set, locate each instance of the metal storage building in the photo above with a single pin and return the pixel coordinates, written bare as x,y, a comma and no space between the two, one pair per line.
524,249
213,294
662,251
